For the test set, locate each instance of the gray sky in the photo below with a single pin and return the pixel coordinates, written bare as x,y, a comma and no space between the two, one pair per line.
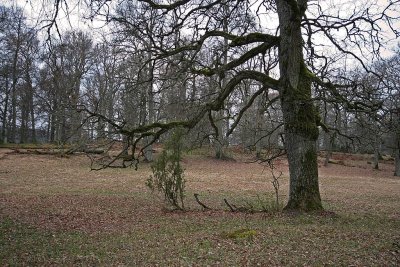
72,16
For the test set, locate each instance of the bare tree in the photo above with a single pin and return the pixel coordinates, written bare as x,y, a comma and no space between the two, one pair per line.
391,106
66,64
19,44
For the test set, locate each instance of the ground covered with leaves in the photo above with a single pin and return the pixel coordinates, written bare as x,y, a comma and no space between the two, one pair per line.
55,211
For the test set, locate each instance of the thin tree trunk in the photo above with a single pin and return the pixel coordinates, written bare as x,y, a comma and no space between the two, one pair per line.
110,114
53,127
397,160
329,141
5,124
260,120
75,134
32,116
27,102
49,123
24,113
63,127
14,85
376,155
148,152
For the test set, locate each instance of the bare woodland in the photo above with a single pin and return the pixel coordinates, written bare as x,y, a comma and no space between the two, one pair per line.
280,77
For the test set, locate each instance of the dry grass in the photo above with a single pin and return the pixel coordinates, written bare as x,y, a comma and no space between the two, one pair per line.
55,211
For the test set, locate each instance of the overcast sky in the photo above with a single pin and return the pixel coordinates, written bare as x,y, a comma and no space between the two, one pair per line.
73,15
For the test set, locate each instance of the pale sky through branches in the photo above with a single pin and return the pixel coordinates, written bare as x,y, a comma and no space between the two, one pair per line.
76,15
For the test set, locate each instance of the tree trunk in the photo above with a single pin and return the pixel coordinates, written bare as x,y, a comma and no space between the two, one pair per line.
75,135
24,119
32,115
14,85
27,103
328,140
52,126
148,151
5,111
376,156
304,189
397,160
260,120
299,113
221,141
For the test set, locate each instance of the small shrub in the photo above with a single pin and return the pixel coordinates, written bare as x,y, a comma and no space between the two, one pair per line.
168,174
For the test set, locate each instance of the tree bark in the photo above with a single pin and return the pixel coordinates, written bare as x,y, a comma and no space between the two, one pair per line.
5,122
397,160
14,85
299,113
148,151
376,155
329,139
32,114
221,140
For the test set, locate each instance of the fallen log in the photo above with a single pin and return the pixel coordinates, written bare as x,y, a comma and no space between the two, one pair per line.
57,152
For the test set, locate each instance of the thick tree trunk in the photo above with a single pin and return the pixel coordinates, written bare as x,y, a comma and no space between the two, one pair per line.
299,113
221,141
301,133
303,168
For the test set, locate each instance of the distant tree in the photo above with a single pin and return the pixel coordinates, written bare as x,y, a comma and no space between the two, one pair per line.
390,70
370,125
65,67
377,129
103,84
19,44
